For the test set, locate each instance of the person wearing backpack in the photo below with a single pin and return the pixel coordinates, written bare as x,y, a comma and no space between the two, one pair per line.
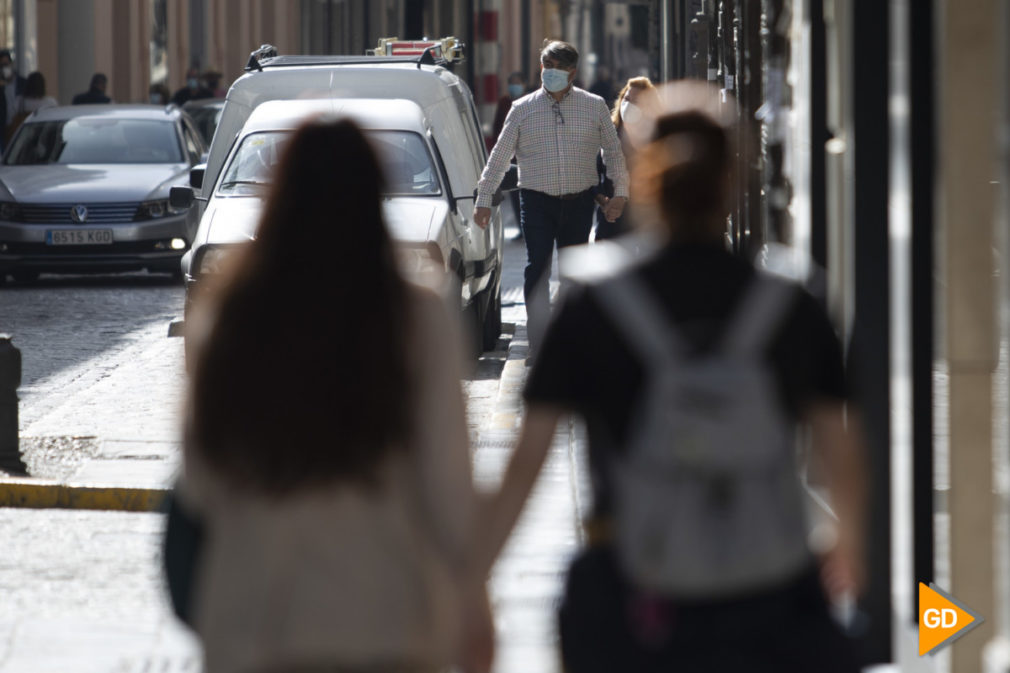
694,373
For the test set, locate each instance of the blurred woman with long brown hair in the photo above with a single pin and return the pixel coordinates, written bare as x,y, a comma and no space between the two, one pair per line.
326,447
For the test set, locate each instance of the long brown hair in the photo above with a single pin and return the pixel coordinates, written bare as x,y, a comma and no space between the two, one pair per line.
303,377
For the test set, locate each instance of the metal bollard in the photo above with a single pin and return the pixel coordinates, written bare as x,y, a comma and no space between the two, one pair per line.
10,379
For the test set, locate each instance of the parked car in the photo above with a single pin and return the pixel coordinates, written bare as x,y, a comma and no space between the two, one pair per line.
85,188
428,117
205,113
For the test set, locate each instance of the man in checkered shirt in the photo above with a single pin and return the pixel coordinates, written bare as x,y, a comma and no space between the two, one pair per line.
555,134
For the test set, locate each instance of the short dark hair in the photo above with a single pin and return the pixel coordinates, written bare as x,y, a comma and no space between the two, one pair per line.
35,85
563,53
7,53
98,79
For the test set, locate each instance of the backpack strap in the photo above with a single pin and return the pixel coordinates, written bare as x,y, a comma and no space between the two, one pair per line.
759,312
639,317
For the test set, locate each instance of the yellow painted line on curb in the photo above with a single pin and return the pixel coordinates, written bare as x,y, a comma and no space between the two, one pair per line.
38,494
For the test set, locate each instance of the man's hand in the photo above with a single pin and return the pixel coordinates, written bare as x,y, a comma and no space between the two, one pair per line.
614,208
842,571
482,216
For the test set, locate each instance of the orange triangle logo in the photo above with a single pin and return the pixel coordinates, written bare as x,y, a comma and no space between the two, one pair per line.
942,619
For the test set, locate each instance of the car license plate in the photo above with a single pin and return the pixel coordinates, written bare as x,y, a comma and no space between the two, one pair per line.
79,237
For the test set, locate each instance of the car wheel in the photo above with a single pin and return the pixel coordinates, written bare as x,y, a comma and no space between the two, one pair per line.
491,325
469,317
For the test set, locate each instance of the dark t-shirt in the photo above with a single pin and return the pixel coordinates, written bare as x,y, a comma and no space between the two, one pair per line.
89,97
586,366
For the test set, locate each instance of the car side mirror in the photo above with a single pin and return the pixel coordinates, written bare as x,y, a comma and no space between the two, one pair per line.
181,198
196,176
511,179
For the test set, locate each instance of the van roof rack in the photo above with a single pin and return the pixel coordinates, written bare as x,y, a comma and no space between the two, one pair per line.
389,50
442,51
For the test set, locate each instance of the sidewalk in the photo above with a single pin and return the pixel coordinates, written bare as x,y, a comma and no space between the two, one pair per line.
81,572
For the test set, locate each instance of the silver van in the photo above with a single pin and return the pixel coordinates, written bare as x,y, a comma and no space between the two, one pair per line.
419,106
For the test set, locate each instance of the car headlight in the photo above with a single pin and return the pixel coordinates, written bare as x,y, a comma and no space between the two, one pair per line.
153,210
211,259
10,211
419,257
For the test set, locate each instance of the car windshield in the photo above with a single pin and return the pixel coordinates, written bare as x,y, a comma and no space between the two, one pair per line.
406,162
253,163
96,140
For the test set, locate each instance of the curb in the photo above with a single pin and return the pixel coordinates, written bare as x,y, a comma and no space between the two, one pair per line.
40,494
509,405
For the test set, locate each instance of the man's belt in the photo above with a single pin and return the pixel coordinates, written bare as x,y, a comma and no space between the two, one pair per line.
563,197
574,195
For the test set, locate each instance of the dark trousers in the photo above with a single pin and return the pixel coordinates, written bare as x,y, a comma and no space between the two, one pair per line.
545,220
606,625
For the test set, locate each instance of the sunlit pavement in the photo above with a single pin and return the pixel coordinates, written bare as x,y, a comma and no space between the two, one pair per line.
82,590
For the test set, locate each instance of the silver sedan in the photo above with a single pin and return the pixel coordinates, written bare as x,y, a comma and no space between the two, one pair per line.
85,189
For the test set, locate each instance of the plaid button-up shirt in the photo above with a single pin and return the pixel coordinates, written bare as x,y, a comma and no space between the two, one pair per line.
555,145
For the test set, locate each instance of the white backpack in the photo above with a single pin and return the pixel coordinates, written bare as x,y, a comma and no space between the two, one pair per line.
707,497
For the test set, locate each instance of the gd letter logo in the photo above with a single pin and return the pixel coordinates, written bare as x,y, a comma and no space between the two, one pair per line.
942,619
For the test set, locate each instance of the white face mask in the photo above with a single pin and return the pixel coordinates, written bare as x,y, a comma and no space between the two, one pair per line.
555,80
630,113
8,72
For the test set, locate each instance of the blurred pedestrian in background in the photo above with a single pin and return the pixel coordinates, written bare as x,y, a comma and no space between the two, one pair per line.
326,452
192,90
158,94
212,80
515,90
603,86
95,92
13,86
633,105
698,556
34,98
555,134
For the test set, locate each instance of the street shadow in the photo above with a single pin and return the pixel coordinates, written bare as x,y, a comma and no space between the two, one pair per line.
491,363
135,279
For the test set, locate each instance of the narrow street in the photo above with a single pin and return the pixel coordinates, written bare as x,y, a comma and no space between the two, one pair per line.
101,395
